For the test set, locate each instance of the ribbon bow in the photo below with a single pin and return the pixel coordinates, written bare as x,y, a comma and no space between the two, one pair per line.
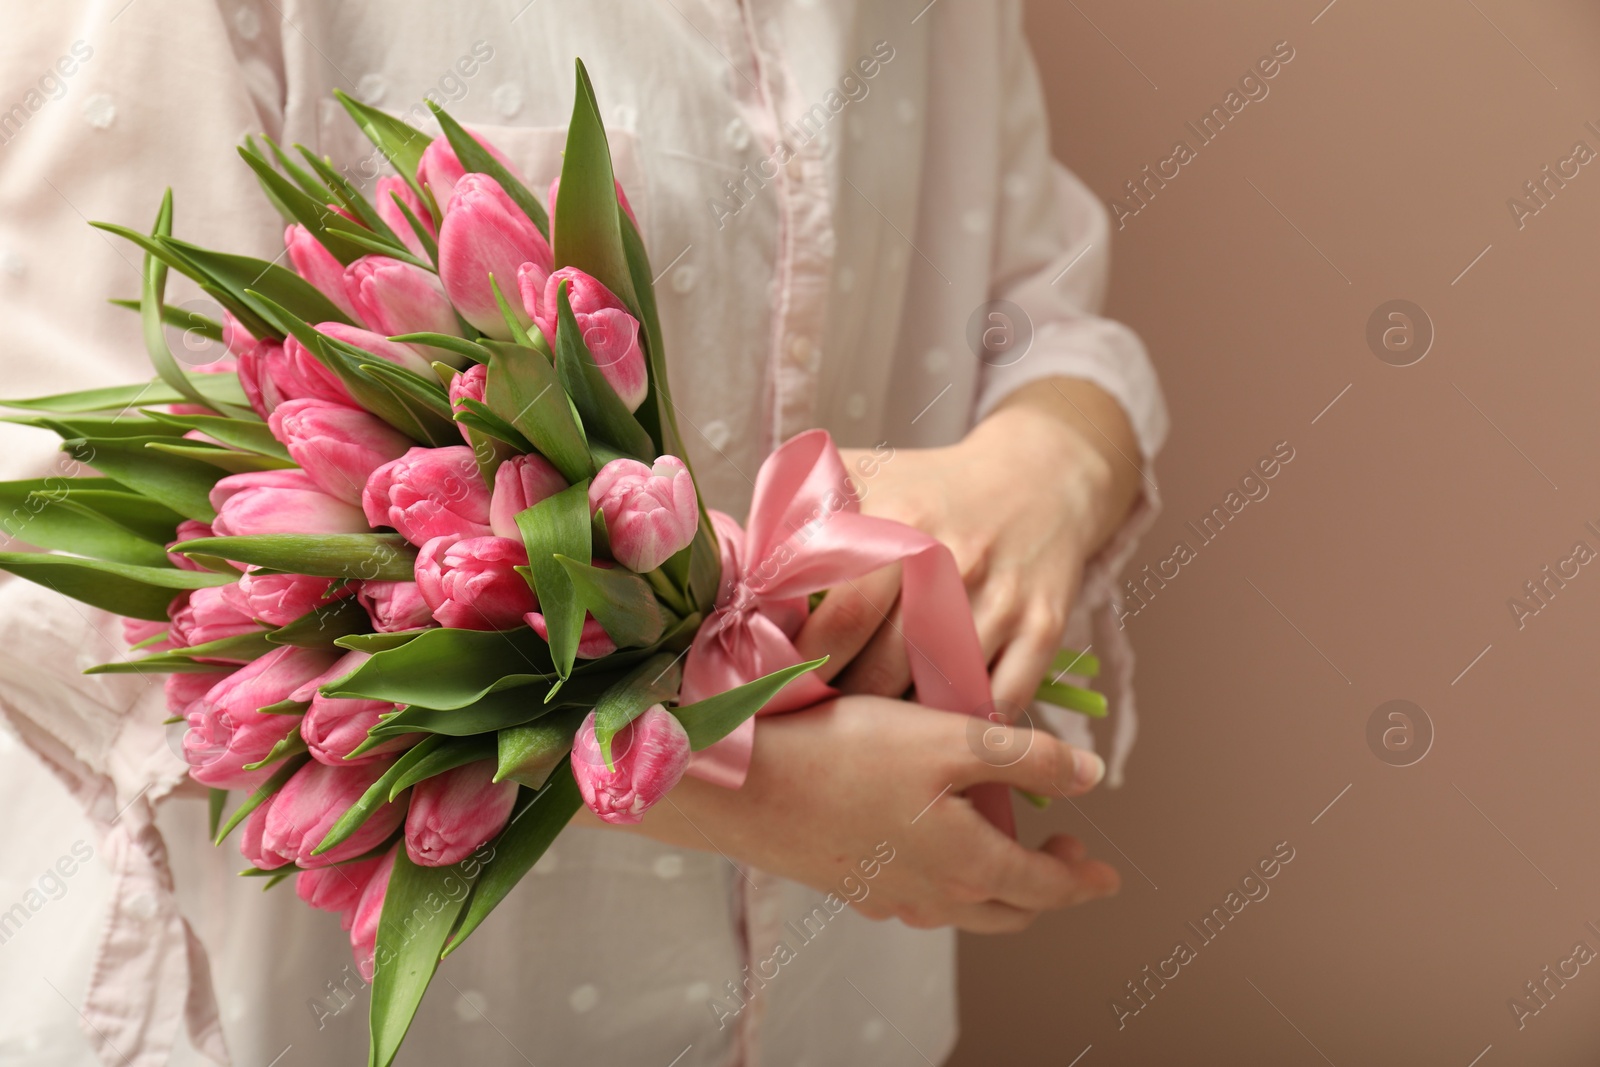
806,534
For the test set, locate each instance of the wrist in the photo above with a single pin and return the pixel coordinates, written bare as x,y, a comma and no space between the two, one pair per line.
1077,443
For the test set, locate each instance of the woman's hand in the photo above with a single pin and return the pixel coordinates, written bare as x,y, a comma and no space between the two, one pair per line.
1023,502
828,785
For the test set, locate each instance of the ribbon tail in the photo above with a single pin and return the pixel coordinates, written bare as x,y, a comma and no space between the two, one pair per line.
946,658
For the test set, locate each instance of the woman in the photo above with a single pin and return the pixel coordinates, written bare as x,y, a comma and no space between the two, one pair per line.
857,225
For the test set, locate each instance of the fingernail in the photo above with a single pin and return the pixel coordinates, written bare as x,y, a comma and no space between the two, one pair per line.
1088,768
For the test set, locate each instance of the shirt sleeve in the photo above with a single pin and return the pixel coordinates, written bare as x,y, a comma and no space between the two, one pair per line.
1052,261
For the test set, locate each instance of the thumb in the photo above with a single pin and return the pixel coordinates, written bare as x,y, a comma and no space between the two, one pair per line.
1028,759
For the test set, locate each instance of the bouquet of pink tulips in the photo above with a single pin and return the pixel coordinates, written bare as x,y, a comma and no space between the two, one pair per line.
421,559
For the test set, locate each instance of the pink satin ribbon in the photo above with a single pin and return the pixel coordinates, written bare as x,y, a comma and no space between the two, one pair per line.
806,534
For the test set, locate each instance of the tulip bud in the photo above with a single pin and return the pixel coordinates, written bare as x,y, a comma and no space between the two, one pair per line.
273,373
308,805
650,755
428,493
334,727
401,355
394,606
395,298
210,615
138,631
337,888
486,233
593,641
369,909
280,501
609,330
455,812
519,483
279,599
185,687
439,169
472,584
318,266
390,187
188,530
226,727
337,446
651,513
470,384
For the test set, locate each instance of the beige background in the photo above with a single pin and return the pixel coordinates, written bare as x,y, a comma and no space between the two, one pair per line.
1416,505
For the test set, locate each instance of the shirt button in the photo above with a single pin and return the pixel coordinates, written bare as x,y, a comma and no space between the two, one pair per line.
684,278
507,99
247,22
99,111
737,134
371,89
717,434
800,351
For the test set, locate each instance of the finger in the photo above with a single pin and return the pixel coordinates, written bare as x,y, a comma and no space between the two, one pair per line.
996,612
884,667
1024,661
982,917
1026,758
847,618
992,917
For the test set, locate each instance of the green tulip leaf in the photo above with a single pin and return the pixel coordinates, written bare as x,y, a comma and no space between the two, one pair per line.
363,556
121,588
536,822
710,720
558,526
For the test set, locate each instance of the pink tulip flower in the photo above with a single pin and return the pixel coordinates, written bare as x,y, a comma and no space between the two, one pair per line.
369,909
428,493
470,384
188,530
138,631
337,446
609,330
401,355
210,615
394,606
455,812
650,755
271,373
226,727
333,727
395,298
593,641
318,266
651,513
471,583
390,187
279,599
439,169
305,809
183,688
519,483
337,888
281,501
485,233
